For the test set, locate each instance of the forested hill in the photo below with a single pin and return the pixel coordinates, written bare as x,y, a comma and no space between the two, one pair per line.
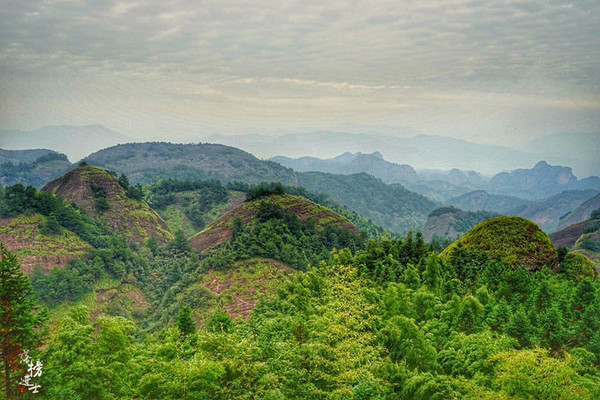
148,162
391,206
269,207
31,167
550,213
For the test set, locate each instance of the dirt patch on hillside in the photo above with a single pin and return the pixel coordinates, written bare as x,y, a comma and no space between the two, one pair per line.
132,300
244,294
32,249
568,236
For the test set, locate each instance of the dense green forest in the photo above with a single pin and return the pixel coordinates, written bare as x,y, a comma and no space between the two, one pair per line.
353,318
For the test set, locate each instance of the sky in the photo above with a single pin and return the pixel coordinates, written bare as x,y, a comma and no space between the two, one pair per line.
498,72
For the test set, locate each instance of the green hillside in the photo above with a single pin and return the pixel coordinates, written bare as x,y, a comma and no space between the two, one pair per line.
391,206
516,241
190,206
35,243
148,162
31,167
290,229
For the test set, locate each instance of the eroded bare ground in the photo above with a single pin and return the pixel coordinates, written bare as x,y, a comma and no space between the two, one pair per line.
132,299
242,304
236,200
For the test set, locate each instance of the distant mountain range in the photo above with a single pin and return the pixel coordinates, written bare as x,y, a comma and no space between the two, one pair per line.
541,181
577,150
580,151
422,151
547,213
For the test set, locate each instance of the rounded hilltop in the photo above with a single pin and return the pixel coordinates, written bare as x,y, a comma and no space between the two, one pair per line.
222,229
517,241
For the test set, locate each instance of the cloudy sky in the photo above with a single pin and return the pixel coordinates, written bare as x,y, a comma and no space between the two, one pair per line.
485,71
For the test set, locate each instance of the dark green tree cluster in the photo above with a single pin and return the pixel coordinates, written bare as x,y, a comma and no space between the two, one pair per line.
279,234
101,203
20,322
134,192
256,192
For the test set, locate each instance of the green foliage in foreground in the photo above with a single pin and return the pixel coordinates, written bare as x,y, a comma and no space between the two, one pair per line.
332,333
385,319
391,321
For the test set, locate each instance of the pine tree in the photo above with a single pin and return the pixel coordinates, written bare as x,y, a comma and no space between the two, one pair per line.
185,322
19,325
432,277
520,328
411,277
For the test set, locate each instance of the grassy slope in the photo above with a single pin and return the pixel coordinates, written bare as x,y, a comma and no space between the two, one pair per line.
21,236
177,220
239,289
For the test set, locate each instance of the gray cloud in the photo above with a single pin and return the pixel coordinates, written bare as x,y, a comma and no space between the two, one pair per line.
444,67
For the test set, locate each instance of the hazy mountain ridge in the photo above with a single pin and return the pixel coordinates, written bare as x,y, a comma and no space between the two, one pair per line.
421,151
353,163
150,161
75,141
578,150
451,223
547,213
539,182
581,213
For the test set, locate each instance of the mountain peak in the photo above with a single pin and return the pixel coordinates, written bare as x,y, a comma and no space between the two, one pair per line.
100,194
541,164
